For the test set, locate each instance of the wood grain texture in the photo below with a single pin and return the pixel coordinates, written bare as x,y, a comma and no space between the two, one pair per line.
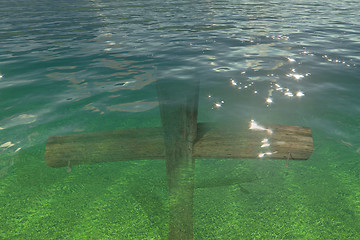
232,141
109,146
213,141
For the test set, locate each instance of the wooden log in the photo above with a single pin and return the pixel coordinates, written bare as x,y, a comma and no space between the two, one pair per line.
229,140
107,146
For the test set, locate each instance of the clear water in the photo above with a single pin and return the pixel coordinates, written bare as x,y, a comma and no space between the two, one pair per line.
91,65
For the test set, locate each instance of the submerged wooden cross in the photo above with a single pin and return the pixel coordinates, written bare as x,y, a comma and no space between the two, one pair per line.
180,140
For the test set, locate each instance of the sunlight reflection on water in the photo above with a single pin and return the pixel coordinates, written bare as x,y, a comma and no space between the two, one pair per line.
253,59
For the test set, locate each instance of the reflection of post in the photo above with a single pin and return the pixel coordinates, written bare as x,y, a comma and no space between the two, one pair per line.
178,109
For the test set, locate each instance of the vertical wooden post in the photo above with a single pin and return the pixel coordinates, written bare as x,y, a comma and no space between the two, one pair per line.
178,109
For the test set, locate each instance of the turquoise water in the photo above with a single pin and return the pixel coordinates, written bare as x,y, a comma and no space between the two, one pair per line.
85,66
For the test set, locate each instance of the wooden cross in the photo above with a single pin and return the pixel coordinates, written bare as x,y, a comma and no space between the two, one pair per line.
180,140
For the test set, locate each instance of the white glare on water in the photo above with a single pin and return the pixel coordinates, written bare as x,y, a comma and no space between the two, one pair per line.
261,155
295,75
289,94
290,59
254,126
300,94
7,145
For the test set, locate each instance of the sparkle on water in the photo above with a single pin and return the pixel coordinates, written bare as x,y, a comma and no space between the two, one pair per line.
68,67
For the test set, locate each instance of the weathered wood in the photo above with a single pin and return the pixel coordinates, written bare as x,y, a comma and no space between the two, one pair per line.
230,140
213,140
109,146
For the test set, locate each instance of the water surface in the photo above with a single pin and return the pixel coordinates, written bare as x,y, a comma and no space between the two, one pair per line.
84,66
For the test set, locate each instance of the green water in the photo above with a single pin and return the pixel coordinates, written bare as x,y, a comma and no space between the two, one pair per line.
250,199
87,66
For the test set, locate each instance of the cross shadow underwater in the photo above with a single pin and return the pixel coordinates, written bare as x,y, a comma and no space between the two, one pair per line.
180,140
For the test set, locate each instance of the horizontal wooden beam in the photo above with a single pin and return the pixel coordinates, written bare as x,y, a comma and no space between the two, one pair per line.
274,142
213,141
